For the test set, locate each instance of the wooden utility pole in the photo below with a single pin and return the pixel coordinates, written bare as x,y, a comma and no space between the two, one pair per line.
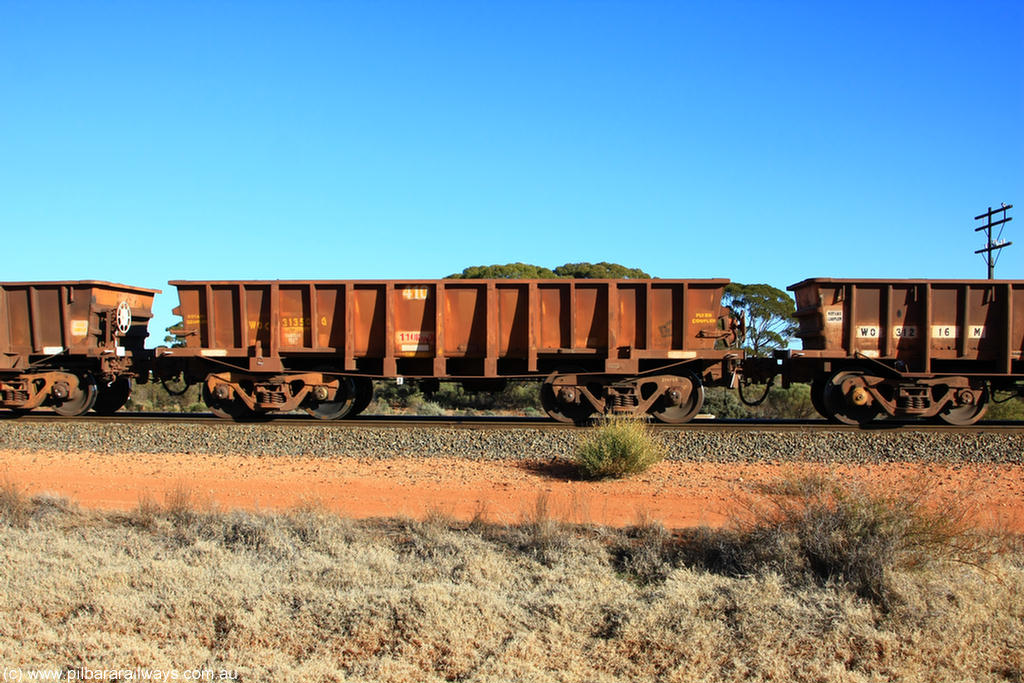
993,246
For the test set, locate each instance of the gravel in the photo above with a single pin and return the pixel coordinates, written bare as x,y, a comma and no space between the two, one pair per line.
739,445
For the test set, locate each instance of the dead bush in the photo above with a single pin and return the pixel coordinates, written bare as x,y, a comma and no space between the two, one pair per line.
827,531
15,506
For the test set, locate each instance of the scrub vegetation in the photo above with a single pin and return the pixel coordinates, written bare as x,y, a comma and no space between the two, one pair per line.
617,447
816,581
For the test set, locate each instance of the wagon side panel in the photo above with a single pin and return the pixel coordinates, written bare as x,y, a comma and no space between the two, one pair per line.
414,319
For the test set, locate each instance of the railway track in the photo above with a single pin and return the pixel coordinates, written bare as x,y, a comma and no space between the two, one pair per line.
512,422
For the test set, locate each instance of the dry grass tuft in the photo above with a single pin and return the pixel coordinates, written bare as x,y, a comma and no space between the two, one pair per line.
180,504
15,505
146,513
645,552
616,448
820,529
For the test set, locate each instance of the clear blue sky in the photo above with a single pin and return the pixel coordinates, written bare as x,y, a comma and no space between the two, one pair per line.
764,142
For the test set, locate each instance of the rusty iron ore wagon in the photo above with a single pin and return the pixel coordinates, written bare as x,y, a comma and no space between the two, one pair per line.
74,346
906,348
622,346
901,348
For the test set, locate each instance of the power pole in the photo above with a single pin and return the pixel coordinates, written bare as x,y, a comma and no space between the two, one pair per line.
993,246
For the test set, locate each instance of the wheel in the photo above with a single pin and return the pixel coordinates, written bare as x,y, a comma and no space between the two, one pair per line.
839,407
340,407
229,409
680,402
363,395
113,396
80,399
818,395
966,414
559,409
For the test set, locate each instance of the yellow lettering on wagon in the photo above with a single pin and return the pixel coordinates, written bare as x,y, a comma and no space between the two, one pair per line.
703,318
293,330
415,293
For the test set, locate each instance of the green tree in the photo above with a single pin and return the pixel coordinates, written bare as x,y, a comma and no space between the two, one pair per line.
172,339
602,270
509,270
769,315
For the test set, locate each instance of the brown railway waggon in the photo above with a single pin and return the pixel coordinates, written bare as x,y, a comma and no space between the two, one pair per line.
73,346
913,349
605,346
906,348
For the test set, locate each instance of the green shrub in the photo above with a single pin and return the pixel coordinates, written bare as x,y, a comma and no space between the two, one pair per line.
451,396
152,397
1005,409
724,404
616,448
793,402
429,409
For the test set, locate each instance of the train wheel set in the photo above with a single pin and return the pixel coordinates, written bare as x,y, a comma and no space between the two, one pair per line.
911,349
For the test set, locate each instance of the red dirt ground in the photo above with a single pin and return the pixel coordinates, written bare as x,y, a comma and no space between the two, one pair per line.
677,494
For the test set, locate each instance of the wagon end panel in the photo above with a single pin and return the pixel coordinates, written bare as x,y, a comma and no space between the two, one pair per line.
820,314
191,331
121,311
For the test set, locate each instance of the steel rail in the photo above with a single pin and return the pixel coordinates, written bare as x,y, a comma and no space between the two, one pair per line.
509,422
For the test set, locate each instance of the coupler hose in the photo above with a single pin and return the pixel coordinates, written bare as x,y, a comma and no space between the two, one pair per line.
754,404
172,392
